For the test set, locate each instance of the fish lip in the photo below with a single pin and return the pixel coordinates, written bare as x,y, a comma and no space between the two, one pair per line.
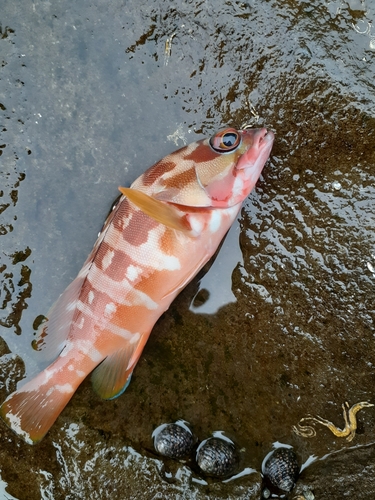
268,136
266,140
263,135
262,142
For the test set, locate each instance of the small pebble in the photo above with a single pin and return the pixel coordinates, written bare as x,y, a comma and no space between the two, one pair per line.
217,457
173,440
266,493
307,495
282,469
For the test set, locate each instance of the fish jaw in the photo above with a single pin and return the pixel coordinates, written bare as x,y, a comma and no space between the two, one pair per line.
251,163
257,155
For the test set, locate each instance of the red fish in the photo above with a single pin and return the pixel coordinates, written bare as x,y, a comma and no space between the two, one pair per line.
165,227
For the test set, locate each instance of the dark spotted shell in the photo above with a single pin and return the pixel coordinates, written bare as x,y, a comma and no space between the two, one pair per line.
217,457
173,440
282,469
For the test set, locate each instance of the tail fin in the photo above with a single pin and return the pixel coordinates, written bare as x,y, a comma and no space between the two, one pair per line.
32,410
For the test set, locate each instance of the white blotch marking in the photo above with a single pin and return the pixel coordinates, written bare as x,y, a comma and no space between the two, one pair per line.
110,309
80,373
81,323
63,389
68,347
121,332
120,292
94,354
85,309
107,259
149,253
70,368
90,297
82,347
215,221
196,225
48,374
133,272
134,338
238,186
15,423
139,298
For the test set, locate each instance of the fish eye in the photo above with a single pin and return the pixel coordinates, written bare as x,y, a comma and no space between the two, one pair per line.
226,141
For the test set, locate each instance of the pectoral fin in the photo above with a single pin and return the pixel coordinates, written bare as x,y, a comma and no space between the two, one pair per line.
160,211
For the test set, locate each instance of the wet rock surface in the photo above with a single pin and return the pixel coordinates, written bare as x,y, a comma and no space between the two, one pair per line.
341,474
282,325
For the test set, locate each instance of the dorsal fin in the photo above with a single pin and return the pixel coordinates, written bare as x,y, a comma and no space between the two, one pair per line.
52,334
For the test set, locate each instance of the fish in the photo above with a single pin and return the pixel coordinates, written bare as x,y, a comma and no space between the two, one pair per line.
164,229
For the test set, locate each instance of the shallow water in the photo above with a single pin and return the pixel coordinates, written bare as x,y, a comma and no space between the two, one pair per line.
282,325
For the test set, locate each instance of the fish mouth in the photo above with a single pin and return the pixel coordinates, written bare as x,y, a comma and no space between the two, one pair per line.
263,138
260,149
266,138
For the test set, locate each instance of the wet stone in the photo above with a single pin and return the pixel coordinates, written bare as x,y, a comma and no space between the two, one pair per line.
266,493
216,457
282,469
12,369
173,440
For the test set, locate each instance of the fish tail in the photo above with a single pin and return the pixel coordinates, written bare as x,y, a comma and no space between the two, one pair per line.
31,411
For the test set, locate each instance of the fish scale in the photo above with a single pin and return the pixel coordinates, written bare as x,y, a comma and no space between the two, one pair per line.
163,230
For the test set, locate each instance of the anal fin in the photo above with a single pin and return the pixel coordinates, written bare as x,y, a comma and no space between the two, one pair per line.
112,376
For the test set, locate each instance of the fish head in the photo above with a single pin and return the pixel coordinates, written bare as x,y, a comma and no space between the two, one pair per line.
240,157
216,172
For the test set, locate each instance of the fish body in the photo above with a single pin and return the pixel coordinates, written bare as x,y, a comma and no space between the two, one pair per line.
163,230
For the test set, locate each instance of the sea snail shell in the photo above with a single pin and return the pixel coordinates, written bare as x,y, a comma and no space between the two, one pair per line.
217,457
173,440
282,469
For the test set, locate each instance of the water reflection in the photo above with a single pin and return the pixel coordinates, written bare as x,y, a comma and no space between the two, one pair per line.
215,288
